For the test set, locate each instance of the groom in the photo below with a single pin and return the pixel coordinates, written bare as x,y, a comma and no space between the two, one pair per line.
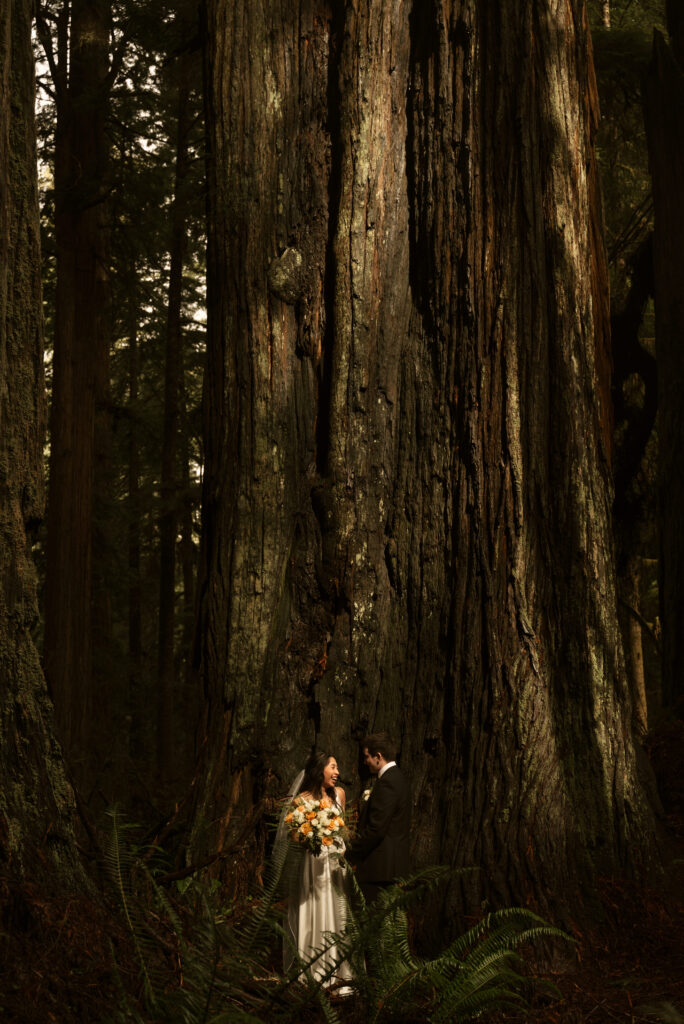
381,850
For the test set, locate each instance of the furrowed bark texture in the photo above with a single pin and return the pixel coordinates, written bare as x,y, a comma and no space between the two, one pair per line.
407,491
36,802
664,96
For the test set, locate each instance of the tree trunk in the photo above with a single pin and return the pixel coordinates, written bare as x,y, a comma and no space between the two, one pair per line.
664,99
187,545
36,803
80,350
634,427
633,642
135,743
407,487
168,522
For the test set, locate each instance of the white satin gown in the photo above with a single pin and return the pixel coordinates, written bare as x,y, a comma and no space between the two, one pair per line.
316,908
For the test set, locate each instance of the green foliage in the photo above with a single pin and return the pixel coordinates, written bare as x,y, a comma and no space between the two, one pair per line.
121,858
478,971
621,54
222,967
664,1012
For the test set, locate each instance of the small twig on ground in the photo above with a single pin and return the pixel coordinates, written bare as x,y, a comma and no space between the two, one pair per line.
597,1007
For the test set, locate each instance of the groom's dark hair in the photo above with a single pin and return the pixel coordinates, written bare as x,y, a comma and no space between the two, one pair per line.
380,743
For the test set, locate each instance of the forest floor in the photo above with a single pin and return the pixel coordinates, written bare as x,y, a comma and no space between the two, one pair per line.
630,969
56,955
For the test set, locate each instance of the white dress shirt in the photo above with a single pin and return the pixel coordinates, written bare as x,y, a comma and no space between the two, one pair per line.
390,764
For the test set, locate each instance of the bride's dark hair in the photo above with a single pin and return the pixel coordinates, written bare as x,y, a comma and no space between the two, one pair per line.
313,773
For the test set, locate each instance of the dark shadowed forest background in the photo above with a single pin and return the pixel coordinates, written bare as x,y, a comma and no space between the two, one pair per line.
341,372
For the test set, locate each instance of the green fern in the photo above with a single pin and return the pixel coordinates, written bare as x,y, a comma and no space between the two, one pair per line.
478,971
120,858
224,973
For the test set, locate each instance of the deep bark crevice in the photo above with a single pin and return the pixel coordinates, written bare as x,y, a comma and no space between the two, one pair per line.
333,127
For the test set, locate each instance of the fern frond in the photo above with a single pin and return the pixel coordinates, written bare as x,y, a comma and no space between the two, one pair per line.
119,861
274,875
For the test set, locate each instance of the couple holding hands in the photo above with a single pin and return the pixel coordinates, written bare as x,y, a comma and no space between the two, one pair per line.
379,852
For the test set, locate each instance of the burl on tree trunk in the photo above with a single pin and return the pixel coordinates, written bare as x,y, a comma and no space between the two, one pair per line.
407,494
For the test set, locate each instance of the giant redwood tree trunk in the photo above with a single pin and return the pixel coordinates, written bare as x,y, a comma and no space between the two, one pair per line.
407,491
36,804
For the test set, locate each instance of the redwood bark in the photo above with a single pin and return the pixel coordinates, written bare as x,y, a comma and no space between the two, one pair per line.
664,100
36,802
79,368
407,485
633,642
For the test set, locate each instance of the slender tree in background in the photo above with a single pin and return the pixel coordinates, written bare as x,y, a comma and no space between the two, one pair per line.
171,484
36,803
664,102
632,361
81,75
126,99
407,494
622,53
134,542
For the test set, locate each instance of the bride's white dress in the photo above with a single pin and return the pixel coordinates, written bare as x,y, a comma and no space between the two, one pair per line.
316,908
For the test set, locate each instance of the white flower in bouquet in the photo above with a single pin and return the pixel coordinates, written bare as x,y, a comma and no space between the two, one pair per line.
315,824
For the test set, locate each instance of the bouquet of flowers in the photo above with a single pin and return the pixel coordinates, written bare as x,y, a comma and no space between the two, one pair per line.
315,824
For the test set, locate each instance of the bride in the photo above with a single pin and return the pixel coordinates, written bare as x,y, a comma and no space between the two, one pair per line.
316,905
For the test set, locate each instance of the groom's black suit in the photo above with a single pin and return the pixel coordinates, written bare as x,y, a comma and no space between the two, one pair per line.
382,848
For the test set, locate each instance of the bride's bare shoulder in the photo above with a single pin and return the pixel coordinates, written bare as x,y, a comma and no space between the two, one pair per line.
340,795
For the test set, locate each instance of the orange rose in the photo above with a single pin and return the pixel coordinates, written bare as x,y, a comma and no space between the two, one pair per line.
327,840
305,828
325,802
288,817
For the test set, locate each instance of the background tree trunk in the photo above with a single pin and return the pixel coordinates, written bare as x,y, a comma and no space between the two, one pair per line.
36,803
170,482
634,426
407,487
80,356
634,644
135,742
664,99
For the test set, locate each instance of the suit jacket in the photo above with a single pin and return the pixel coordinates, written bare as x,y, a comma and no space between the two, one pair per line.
382,847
